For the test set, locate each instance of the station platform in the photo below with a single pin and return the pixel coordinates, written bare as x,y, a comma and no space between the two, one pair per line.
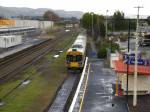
100,90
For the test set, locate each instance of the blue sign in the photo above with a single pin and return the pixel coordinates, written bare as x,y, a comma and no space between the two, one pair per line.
130,59
131,56
94,54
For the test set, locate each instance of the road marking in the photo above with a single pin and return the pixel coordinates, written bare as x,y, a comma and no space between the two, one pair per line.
81,104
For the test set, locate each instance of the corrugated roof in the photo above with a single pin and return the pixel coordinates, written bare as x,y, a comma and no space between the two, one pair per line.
121,67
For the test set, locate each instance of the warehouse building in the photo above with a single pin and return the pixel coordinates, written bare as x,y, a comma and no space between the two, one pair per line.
26,23
34,23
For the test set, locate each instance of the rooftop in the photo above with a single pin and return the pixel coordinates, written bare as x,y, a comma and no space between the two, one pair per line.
121,67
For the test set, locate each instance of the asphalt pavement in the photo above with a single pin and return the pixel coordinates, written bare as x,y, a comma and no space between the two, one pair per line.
100,92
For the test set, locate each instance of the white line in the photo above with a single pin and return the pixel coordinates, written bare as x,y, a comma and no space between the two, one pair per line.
78,88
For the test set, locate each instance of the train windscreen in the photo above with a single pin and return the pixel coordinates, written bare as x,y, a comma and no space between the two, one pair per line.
71,58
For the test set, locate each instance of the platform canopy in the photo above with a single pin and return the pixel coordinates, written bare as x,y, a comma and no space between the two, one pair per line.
121,67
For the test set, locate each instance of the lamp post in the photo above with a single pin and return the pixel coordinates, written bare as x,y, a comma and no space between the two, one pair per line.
110,39
106,25
92,25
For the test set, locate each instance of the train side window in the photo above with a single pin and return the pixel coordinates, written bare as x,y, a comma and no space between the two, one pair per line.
7,41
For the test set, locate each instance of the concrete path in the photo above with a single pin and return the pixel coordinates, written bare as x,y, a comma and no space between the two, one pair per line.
100,93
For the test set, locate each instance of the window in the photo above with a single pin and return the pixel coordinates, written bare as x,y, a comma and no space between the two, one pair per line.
79,58
7,41
71,58
77,46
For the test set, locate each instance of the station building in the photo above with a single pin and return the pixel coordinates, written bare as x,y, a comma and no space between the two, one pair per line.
143,78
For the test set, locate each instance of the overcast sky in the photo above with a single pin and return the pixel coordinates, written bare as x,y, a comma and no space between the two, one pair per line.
98,6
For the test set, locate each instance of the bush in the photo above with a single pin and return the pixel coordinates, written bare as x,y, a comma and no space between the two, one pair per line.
102,52
114,47
103,46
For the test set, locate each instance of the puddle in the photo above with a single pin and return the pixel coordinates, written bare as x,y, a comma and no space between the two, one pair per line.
67,30
56,56
26,82
61,51
107,106
1,103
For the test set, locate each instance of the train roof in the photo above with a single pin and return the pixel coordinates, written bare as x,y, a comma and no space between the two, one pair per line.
79,44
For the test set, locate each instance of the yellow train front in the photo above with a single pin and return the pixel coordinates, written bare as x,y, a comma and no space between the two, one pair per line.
76,55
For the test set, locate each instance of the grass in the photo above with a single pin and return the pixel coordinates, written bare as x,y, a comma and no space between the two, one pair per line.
6,87
37,95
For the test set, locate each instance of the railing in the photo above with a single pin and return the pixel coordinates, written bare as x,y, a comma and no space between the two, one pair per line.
78,88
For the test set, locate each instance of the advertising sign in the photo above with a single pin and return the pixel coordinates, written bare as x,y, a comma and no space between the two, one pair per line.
130,59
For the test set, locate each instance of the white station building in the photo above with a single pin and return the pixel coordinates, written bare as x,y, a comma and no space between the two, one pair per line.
10,40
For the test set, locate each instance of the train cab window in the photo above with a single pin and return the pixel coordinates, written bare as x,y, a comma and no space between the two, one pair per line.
79,58
71,58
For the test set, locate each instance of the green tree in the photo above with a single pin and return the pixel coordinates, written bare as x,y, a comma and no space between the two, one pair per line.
50,16
119,21
98,23
148,20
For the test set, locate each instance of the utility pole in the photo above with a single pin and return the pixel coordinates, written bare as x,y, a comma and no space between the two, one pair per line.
106,25
136,60
92,27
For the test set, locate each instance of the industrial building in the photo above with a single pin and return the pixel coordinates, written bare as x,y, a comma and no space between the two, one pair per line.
27,23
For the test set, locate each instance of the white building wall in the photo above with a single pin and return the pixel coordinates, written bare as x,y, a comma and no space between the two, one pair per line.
34,23
2,42
9,41
113,57
143,82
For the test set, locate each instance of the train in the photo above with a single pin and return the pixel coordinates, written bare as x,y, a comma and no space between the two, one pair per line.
76,54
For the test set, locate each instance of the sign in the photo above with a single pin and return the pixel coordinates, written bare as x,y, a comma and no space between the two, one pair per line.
130,59
131,56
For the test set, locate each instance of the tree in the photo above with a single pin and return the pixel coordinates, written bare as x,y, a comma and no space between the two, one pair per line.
98,23
50,16
119,21
148,20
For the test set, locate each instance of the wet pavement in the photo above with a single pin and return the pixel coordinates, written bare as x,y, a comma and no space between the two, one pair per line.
143,104
100,94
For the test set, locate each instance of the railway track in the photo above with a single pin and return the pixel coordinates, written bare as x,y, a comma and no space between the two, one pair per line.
31,77
14,64
69,95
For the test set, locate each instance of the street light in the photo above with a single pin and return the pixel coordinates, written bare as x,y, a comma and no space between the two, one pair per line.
92,25
110,39
106,25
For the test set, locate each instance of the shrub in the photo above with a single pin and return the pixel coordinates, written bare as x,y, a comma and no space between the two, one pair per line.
102,52
103,46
